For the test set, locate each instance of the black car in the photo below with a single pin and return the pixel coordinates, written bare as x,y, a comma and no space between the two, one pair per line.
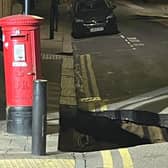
92,17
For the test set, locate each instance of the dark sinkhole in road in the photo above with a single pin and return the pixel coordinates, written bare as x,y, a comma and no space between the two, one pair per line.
98,132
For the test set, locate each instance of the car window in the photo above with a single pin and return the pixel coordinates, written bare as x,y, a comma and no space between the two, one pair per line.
92,6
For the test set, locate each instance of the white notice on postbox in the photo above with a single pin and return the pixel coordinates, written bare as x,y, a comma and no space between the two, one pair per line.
19,53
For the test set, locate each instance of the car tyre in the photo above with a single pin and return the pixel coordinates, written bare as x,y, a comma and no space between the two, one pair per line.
113,29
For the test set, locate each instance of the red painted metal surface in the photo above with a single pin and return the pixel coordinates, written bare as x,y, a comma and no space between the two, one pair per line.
21,44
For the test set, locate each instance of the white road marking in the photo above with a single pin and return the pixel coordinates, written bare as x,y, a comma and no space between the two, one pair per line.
134,40
131,38
164,111
139,44
129,107
143,98
122,36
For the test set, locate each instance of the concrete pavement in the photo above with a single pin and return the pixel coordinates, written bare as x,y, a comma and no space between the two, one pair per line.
150,156
57,68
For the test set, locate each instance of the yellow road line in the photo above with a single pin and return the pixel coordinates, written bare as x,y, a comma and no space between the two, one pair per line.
103,107
67,163
90,99
84,76
91,107
37,163
87,69
107,159
126,158
92,76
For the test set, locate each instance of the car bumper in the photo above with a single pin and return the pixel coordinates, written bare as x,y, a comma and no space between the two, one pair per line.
85,28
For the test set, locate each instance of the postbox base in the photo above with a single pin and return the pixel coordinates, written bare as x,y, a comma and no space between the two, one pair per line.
19,120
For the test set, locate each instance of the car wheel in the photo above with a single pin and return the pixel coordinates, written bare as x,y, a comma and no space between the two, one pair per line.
113,29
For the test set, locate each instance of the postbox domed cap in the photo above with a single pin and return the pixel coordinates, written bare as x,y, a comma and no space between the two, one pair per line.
22,20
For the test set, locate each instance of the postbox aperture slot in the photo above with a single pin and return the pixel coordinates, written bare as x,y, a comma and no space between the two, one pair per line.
19,37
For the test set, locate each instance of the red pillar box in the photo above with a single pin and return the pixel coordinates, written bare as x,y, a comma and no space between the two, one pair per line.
21,47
